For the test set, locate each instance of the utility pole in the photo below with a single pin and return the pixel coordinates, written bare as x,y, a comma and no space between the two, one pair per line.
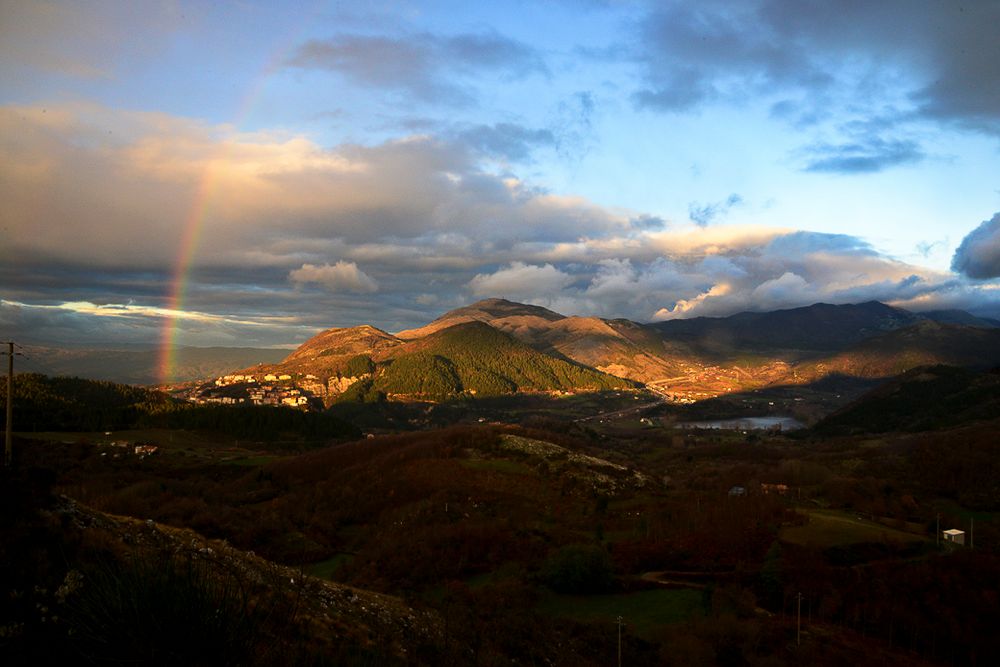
972,533
8,456
937,530
798,621
619,641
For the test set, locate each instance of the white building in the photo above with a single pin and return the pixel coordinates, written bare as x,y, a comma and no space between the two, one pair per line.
954,535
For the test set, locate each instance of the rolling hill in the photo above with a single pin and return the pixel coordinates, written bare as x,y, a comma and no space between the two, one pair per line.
821,326
923,398
140,365
477,359
619,347
495,347
924,343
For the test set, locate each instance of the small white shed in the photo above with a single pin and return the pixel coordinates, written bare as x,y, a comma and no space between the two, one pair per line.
954,535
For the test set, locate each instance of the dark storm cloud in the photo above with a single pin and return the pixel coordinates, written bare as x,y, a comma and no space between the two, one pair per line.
702,52
966,87
938,57
702,214
424,66
864,157
978,256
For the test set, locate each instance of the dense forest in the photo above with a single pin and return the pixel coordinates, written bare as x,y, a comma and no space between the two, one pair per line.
479,360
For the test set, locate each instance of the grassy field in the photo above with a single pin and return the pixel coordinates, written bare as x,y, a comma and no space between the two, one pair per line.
327,568
642,612
832,528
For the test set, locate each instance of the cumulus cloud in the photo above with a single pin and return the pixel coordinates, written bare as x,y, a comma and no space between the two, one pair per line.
343,275
520,280
685,307
978,256
74,191
100,218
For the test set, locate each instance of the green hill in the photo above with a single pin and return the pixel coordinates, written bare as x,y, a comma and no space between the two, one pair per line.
925,343
43,403
926,398
477,359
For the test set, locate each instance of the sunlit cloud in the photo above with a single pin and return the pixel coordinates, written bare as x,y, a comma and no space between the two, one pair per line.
340,276
519,280
133,311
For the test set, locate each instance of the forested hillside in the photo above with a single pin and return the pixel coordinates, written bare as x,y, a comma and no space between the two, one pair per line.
477,359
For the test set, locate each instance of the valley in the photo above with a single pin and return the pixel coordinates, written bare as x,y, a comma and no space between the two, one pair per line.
473,492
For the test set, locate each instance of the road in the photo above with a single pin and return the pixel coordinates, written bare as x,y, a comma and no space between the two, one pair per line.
620,413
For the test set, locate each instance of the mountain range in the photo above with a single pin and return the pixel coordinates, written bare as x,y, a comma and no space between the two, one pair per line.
140,364
495,346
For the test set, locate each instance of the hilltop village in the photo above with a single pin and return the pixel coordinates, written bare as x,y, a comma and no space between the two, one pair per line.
264,389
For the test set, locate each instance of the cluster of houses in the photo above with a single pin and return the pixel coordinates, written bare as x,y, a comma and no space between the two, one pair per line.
270,395
765,489
266,389
227,380
125,448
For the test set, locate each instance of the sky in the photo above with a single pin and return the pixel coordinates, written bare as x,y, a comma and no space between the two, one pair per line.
249,173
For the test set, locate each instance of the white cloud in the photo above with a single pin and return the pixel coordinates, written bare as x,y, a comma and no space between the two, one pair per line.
520,280
686,307
342,276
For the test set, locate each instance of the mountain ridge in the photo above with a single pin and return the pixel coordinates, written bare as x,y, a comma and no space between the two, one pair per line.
461,352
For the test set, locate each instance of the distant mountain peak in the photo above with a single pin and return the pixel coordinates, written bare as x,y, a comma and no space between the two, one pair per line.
495,308
488,311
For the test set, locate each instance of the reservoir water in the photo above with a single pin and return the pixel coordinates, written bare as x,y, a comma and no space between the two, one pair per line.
747,423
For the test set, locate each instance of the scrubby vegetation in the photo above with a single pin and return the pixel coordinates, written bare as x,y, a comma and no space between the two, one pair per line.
519,544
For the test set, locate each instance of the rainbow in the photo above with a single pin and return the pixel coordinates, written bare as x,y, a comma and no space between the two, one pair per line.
193,224
200,209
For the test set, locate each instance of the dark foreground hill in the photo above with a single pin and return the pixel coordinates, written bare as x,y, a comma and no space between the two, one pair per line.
924,398
86,587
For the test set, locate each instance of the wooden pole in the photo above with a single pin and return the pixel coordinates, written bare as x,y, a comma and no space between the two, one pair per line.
798,621
619,641
8,457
